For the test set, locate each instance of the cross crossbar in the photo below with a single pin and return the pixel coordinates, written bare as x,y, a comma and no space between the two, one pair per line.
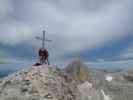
43,39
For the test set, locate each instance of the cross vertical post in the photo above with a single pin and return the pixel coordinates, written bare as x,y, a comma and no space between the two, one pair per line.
43,40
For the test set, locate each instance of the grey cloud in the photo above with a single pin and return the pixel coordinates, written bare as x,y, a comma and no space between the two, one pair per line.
5,9
73,24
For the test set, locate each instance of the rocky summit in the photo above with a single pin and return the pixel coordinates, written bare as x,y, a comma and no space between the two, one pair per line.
75,82
36,83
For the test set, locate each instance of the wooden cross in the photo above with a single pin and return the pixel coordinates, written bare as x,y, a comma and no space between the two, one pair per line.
43,39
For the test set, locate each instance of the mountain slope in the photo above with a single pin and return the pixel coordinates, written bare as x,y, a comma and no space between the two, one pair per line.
75,82
36,83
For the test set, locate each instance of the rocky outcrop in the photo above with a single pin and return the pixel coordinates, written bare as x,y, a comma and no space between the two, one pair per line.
75,82
37,83
77,70
45,82
129,75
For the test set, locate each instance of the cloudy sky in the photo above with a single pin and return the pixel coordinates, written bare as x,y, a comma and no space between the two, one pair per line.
97,31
